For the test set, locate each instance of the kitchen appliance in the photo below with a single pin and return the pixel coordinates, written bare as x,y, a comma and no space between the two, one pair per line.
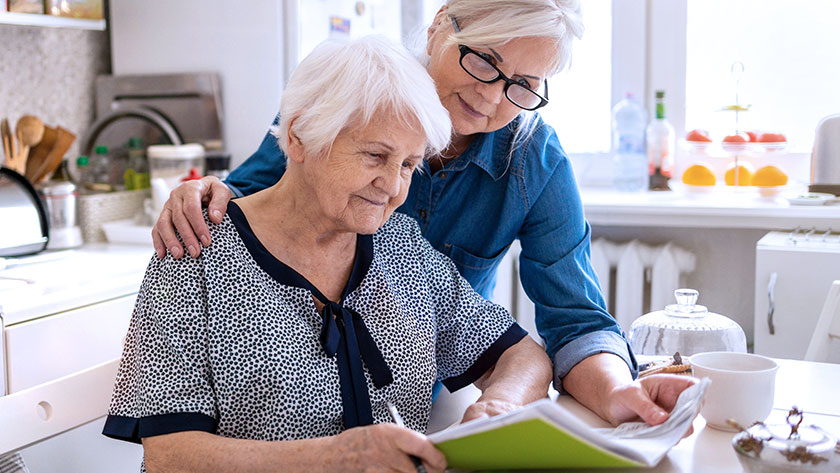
153,109
793,273
22,215
825,158
60,198
687,328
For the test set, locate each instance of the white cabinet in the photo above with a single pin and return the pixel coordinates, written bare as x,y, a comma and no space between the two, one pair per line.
791,283
51,347
63,338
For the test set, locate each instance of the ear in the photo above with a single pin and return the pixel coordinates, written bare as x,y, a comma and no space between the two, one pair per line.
438,22
294,145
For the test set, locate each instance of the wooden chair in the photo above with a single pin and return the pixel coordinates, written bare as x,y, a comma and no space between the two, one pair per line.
828,327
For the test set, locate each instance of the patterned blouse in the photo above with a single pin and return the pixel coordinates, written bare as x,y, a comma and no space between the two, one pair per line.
231,343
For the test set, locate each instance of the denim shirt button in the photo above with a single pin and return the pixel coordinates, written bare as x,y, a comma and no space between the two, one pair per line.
422,213
443,175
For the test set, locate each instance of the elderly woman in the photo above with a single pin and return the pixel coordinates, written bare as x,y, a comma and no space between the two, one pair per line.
504,176
281,346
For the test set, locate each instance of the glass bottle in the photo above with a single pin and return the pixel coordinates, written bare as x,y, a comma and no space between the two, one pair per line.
630,169
136,177
661,144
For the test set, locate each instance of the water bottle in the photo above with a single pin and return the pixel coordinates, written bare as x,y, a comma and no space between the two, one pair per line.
630,164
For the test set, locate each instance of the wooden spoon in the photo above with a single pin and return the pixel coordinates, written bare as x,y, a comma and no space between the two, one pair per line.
6,134
29,130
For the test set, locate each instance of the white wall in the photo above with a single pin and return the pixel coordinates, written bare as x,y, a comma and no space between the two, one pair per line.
243,41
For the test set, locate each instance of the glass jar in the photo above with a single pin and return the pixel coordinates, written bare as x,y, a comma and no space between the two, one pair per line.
687,328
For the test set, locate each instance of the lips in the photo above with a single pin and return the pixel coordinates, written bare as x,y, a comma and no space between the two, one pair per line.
373,202
470,111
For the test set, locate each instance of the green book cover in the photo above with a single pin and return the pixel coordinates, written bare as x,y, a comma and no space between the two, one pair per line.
532,443
546,435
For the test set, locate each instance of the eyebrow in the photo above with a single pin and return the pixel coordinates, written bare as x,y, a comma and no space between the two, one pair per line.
499,58
380,143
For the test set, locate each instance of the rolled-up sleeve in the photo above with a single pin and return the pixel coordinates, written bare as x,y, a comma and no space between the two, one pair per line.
557,274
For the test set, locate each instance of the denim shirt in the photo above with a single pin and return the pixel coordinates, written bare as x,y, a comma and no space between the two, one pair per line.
477,205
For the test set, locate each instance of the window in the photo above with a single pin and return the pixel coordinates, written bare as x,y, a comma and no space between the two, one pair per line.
579,106
791,64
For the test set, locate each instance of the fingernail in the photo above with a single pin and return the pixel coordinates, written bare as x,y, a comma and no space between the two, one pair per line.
174,252
217,215
205,240
660,415
192,251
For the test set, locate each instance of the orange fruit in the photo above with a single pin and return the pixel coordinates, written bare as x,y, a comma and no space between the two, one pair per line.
698,175
698,135
753,135
745,174
769,176
771,138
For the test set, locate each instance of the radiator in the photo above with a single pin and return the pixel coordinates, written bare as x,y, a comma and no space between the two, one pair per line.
630,271
635,279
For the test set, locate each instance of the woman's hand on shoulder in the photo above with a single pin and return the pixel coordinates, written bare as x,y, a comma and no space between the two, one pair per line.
651,398
182,212
385,447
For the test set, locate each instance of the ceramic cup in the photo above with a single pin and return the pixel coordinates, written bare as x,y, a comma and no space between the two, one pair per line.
742,387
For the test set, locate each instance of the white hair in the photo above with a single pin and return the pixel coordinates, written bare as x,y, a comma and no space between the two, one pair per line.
343,85
488,23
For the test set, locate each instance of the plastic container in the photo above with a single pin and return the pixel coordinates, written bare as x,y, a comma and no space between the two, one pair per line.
171,163
687,328
630,166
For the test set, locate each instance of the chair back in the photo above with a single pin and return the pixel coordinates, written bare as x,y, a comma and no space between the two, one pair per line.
828,328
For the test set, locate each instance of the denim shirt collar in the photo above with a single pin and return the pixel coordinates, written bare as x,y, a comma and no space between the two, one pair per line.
488,151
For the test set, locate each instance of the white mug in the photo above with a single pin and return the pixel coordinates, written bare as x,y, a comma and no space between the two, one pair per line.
742,389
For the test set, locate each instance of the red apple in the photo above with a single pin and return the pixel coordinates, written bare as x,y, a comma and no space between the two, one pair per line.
698,135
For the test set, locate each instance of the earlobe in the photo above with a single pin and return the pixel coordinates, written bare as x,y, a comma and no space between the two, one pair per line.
294,144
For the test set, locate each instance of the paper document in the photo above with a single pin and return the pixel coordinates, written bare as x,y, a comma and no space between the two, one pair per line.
543,434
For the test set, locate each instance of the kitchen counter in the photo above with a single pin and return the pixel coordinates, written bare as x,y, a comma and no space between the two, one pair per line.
731,210
57,281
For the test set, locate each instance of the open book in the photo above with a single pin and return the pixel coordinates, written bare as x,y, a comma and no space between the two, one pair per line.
544,434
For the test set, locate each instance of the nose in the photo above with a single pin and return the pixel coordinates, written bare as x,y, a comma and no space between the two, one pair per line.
493,92
389,181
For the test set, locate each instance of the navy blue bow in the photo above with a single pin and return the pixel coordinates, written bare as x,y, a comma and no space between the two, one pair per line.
345,336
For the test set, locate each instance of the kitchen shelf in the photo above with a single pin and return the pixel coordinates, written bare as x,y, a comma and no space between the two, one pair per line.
35,19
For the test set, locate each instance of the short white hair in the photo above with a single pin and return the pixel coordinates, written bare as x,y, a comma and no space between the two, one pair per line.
489,23
344,84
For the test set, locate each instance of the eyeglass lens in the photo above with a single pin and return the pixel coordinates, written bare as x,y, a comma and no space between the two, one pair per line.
482,70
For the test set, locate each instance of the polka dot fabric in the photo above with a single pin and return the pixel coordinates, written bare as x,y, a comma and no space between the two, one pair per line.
217,344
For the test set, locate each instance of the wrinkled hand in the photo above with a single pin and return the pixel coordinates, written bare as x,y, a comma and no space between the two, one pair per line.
651,398
487,409
385,447
183,212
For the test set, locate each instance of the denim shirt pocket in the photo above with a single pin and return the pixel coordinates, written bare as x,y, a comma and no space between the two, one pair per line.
479,271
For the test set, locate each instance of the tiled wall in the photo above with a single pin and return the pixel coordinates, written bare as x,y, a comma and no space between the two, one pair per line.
50,73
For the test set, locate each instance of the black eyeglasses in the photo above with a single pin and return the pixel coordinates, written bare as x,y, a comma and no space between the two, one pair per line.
479,66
